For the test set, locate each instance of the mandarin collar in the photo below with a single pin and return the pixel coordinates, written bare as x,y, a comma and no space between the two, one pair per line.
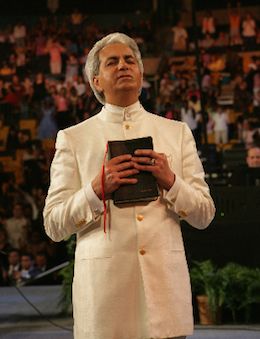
117,114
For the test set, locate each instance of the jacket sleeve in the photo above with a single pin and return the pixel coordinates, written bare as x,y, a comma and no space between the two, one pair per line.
67,209
189,196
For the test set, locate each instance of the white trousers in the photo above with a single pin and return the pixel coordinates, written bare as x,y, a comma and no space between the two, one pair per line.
221,137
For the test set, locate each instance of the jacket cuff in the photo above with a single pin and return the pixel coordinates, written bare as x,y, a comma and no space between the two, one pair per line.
171,195
96,205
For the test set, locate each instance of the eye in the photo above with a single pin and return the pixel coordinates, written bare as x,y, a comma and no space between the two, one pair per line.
111,62
130,60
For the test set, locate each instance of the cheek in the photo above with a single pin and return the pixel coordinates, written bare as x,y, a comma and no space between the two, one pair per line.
105,81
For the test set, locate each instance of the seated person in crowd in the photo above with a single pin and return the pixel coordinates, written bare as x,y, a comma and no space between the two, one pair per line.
27,271
248,174
42,273
14,266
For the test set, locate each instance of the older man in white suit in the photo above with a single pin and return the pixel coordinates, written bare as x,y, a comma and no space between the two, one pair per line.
131,282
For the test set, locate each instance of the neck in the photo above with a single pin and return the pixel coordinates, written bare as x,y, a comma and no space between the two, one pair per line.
123,100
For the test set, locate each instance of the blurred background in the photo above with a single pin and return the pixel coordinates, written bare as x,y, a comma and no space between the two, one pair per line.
201,66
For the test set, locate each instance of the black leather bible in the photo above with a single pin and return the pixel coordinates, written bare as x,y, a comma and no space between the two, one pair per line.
145,189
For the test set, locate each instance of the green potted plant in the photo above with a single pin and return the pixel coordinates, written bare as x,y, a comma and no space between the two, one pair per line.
209,289
242,288
234,287
252,291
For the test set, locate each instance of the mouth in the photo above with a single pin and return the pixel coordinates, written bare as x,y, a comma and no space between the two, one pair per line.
124,76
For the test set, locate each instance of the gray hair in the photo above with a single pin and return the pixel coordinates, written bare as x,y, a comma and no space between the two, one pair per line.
93,62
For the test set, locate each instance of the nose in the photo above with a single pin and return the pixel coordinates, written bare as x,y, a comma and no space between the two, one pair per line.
122,64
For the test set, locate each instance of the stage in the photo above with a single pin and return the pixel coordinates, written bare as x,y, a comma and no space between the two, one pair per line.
19,320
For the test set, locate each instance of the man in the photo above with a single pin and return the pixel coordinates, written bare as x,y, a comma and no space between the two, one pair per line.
249,173
41,265
132,282
253,157
17,227
14,266
220,126
26,272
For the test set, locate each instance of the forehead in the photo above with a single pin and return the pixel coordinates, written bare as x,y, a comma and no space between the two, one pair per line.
13,254
254,152
25,258
115,50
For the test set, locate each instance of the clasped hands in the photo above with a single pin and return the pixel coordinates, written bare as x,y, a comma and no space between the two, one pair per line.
118,171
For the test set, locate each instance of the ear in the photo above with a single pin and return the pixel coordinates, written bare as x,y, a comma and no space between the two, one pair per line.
97,84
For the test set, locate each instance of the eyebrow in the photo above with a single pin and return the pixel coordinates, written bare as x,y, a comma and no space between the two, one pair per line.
114,57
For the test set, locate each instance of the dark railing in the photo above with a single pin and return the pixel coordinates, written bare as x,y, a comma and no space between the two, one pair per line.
235,231
236,204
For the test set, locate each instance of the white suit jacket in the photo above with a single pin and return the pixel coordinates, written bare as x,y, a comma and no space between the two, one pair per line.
132,283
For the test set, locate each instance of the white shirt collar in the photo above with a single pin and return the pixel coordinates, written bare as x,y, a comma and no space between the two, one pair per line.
119,114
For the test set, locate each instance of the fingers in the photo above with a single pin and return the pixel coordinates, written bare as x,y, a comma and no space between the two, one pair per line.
146,152
119,163
119,170
114,180
127,173
119,167
142,167
130,181
144,161
119,173
120,158
149,159
157,164
117,177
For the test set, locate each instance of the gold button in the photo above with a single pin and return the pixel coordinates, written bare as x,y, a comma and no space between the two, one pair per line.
142,252
182,214
140,217
127,126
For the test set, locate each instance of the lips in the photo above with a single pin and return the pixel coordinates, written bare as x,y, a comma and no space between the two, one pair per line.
124,76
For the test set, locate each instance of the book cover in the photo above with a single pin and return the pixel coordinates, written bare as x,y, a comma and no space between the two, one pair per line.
146,188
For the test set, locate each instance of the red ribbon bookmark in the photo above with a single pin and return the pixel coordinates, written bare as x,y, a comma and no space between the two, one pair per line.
103,188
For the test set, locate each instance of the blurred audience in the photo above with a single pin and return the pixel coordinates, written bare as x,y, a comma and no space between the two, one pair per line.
41,80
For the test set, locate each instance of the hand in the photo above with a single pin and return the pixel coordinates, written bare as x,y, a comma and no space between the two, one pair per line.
117,173
16,275
157,164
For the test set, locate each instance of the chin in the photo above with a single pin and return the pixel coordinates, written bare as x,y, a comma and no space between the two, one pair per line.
128,87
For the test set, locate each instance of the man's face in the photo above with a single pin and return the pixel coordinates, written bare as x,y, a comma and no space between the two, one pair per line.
253,157
40,260
25,262
18,211
118,73
13,258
